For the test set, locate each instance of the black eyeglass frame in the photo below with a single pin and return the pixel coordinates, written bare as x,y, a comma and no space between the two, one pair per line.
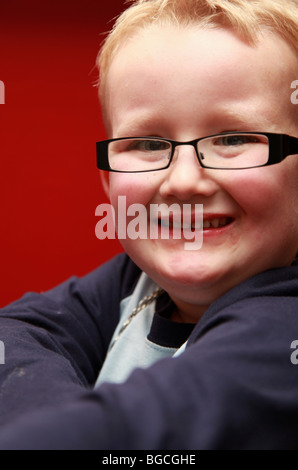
280,147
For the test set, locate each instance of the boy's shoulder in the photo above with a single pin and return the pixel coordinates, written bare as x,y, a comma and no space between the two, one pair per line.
101,289
110,282
267,298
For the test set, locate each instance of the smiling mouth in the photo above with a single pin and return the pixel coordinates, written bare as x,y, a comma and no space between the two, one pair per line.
208,224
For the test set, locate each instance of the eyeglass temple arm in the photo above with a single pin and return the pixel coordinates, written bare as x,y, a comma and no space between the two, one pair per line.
291,146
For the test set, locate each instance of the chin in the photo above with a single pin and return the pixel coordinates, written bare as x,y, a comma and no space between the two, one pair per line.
188,279
178,270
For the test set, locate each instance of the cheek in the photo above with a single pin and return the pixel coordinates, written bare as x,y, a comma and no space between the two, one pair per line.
253,190
258,187
138,188
268,196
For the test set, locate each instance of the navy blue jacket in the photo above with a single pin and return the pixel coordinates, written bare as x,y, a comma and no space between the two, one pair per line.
234,387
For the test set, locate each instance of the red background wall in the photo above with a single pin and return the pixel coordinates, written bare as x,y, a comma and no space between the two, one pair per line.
50,122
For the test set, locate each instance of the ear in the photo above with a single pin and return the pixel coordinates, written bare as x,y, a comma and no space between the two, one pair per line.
105,180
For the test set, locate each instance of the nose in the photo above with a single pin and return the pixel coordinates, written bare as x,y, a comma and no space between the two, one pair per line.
186,178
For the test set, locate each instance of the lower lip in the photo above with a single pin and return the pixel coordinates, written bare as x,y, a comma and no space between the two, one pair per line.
216,232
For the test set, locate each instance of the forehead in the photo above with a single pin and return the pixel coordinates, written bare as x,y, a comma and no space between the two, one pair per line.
212,63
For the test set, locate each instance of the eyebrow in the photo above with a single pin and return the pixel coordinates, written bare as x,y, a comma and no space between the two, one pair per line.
217,121
137,124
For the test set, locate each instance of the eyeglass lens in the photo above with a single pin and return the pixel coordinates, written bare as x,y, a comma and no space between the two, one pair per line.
220,151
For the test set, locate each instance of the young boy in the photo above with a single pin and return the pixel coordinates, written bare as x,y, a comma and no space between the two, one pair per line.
166,347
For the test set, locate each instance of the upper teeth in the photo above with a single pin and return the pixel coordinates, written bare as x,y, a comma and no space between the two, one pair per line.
213,223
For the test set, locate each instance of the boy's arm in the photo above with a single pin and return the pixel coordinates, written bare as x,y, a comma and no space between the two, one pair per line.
234,387
55,343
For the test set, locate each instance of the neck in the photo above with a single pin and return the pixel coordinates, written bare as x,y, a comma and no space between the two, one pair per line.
187,313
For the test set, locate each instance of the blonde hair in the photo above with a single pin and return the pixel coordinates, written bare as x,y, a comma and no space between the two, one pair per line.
246,17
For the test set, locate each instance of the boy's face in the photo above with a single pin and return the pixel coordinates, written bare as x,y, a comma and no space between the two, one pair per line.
183,84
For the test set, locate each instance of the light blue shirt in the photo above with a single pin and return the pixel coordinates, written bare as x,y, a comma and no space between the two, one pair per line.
133,349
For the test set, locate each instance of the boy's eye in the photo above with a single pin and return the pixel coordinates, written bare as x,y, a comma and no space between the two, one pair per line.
246,150
148,145
233,140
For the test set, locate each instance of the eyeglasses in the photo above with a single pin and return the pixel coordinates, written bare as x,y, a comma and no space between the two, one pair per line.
226,151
